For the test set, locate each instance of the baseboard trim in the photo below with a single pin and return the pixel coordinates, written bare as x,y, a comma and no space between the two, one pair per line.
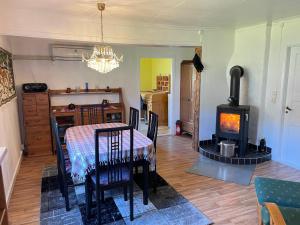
12,184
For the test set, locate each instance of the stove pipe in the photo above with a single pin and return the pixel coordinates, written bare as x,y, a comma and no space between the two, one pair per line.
236,73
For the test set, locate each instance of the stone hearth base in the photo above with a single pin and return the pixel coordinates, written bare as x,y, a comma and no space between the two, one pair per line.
210,150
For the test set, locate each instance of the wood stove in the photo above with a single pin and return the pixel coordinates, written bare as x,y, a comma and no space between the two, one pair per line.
232,124
232,120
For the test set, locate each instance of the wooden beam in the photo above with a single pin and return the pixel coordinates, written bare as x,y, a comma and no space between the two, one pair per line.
196,105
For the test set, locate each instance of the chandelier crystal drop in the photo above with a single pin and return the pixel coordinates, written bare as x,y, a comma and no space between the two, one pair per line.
103,59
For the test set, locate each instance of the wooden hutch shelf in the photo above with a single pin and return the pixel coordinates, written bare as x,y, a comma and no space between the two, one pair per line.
84,92
65,117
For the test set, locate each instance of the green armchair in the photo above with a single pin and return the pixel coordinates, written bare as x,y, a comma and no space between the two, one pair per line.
278,200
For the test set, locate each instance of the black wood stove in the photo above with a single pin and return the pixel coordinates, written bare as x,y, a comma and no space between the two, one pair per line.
233,119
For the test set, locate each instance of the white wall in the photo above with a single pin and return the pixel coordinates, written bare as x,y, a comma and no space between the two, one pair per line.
249,52
60,75
9,135
217,48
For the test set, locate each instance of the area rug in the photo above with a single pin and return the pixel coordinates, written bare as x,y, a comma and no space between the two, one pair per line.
165,207
239,174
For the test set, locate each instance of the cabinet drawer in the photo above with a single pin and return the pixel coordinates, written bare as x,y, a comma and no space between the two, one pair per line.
37,120
38,130
30,111
42,99
43,110
37,139
29,101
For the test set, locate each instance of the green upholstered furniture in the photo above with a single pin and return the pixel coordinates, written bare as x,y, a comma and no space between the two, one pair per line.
285,194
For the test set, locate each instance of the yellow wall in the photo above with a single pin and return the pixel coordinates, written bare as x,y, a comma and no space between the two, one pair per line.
152,67
146,74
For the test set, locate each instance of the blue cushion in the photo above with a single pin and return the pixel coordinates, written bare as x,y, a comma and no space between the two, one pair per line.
290,215
283,193
116,175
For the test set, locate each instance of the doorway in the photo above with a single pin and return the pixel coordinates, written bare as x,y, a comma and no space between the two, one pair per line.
291,131
155,87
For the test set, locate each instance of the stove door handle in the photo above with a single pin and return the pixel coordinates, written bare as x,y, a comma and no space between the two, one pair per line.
247,117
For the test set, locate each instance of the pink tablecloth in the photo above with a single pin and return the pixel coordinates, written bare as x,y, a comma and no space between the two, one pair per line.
81,147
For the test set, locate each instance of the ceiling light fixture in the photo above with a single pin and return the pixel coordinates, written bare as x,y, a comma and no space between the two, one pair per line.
103,59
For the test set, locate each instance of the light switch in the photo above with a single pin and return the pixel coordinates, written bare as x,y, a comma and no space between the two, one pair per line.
274,96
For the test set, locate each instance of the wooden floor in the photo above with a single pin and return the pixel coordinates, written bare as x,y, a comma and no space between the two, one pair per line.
223,203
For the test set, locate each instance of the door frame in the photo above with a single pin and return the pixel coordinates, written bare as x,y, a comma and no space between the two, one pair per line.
171,91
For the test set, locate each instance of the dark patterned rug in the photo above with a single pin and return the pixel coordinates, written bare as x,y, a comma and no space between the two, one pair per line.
165,207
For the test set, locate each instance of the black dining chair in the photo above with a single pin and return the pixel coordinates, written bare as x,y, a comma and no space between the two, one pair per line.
91,114
144,108
62,175
152,134
117,171
134,118
152,127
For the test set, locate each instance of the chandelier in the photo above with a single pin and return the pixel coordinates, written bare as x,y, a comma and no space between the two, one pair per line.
103,59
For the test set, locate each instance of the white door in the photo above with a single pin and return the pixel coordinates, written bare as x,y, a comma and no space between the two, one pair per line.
291,145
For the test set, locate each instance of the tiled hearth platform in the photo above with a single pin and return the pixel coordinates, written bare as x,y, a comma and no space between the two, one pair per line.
210,150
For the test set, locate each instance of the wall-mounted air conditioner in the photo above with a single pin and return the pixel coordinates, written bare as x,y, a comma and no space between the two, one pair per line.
69,52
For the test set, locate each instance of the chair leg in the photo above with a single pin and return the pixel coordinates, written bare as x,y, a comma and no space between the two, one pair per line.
125,193
136,170
131,197
102,197
154,181
60,181
88,197
66,195
98,200
60,184
146,182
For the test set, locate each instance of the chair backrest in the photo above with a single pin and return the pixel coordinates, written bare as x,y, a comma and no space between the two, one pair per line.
61,164
134,118
91,114
152,127
116,157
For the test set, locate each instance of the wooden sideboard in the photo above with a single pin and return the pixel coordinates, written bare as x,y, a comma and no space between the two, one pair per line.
158,102
37,110
37,123
3,206
113,112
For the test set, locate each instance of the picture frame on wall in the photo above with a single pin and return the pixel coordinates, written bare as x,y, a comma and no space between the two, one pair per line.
7,82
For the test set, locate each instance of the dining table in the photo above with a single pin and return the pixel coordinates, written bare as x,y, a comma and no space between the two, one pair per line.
80,144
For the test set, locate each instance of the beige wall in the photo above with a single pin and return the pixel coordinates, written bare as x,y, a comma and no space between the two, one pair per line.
9,135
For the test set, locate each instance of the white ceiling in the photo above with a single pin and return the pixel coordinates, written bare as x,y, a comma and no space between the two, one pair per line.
189,13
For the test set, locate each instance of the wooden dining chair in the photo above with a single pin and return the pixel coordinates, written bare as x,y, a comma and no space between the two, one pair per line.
152,134
61,164
91,114
117,171
134,118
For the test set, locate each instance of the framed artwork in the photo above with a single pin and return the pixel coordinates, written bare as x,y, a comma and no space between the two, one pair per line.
7,82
